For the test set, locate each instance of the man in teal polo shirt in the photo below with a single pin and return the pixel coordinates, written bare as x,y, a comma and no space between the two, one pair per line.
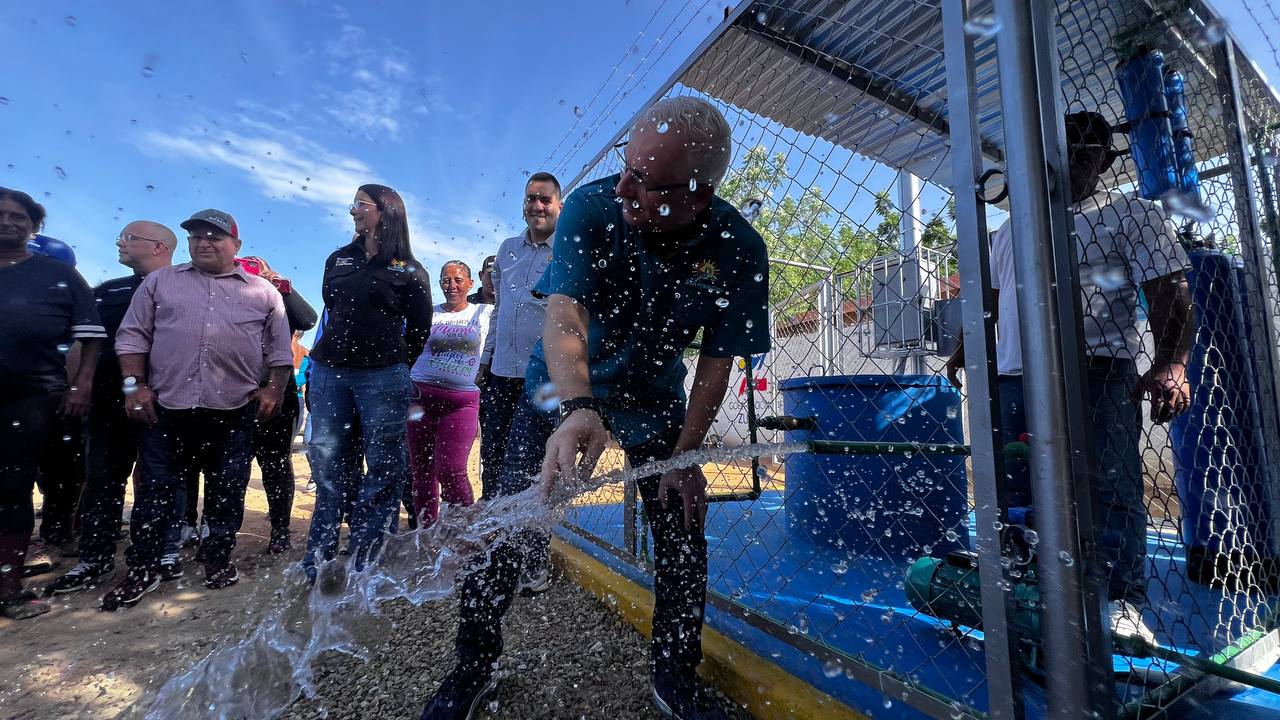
642,261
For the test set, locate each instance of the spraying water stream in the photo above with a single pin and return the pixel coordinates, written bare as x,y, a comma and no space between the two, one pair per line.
260,675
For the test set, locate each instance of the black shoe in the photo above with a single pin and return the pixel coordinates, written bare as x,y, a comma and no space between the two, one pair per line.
459,695
83,575
217,576
534,582
686,701
280,542
170,568
130,590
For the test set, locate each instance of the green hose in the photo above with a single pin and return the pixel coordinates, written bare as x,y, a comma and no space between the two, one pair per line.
1216,666
852,447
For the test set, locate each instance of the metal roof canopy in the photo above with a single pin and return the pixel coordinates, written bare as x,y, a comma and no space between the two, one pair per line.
871,76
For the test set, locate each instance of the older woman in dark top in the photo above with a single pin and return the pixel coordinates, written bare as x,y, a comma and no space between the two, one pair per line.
44,306
378,299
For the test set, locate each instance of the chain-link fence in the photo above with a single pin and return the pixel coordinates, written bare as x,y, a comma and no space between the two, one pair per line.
884,556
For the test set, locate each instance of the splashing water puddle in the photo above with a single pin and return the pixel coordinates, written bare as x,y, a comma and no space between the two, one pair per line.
263,673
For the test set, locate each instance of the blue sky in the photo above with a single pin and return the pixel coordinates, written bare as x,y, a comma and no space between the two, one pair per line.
275,110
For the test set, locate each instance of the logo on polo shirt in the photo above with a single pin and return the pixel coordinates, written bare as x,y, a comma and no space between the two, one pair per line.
344,261
397,266
706,271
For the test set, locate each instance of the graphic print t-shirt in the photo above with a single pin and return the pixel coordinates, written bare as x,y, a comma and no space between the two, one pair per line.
452,354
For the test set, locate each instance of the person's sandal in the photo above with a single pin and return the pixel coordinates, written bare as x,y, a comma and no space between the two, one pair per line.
24,607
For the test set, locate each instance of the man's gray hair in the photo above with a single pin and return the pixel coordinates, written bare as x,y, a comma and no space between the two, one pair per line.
702,127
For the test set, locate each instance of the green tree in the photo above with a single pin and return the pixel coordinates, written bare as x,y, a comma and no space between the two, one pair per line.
799,225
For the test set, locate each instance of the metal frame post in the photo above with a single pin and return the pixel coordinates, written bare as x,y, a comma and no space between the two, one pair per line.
1004,691
827,323
1262,304
1033,203
1074,379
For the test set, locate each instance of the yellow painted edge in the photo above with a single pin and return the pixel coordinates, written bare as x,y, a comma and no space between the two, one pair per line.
767,691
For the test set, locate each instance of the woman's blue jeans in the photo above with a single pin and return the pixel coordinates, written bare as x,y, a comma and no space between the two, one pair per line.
356,414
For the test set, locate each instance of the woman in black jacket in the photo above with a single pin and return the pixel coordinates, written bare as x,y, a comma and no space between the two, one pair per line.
378,299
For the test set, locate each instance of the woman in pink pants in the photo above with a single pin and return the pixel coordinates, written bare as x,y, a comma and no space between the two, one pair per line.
444,411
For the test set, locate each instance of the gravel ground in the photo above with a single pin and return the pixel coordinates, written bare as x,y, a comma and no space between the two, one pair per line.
567,656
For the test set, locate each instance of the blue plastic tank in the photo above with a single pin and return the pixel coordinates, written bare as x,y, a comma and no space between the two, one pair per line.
1220,457
891,506
1146,107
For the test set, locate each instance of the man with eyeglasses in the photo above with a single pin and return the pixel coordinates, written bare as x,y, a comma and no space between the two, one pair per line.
643,261
111,440
1125,245
194,346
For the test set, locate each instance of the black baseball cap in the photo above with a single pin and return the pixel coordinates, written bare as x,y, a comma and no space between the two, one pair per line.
217,218
1087,128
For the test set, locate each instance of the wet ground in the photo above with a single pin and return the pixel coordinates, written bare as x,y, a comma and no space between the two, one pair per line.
568,655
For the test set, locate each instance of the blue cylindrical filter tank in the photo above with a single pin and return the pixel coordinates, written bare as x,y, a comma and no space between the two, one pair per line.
1146,107
1184,157
890,506
1220,457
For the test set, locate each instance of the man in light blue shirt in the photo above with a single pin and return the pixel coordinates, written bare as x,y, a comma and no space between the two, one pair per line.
517,320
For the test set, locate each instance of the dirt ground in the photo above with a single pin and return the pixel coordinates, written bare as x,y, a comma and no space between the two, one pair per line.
568,655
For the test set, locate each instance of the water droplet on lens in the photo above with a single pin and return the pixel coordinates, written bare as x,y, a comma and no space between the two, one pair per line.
602,263
839,567
758,277
832,668
693,184
416,413
664,210
4,101
545,397
1188,205
151,188
148,71
983,26
722,302
1213,33
62,174
70,20
663,127
577,111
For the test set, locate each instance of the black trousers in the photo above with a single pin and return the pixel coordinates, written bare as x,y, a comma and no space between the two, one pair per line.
111,449
62,467
217,441
680,573
273,447
25,424
498,400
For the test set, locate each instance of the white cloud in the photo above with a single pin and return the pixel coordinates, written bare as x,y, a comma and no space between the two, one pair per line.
285,166
369,85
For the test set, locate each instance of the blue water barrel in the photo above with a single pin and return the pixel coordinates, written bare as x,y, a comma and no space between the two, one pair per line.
891,506
1220,457
1146,107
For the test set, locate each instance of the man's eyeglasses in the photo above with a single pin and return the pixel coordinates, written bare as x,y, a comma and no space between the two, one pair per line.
639,178
130,237
360,205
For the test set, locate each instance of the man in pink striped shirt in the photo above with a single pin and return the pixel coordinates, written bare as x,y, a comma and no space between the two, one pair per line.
195,348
